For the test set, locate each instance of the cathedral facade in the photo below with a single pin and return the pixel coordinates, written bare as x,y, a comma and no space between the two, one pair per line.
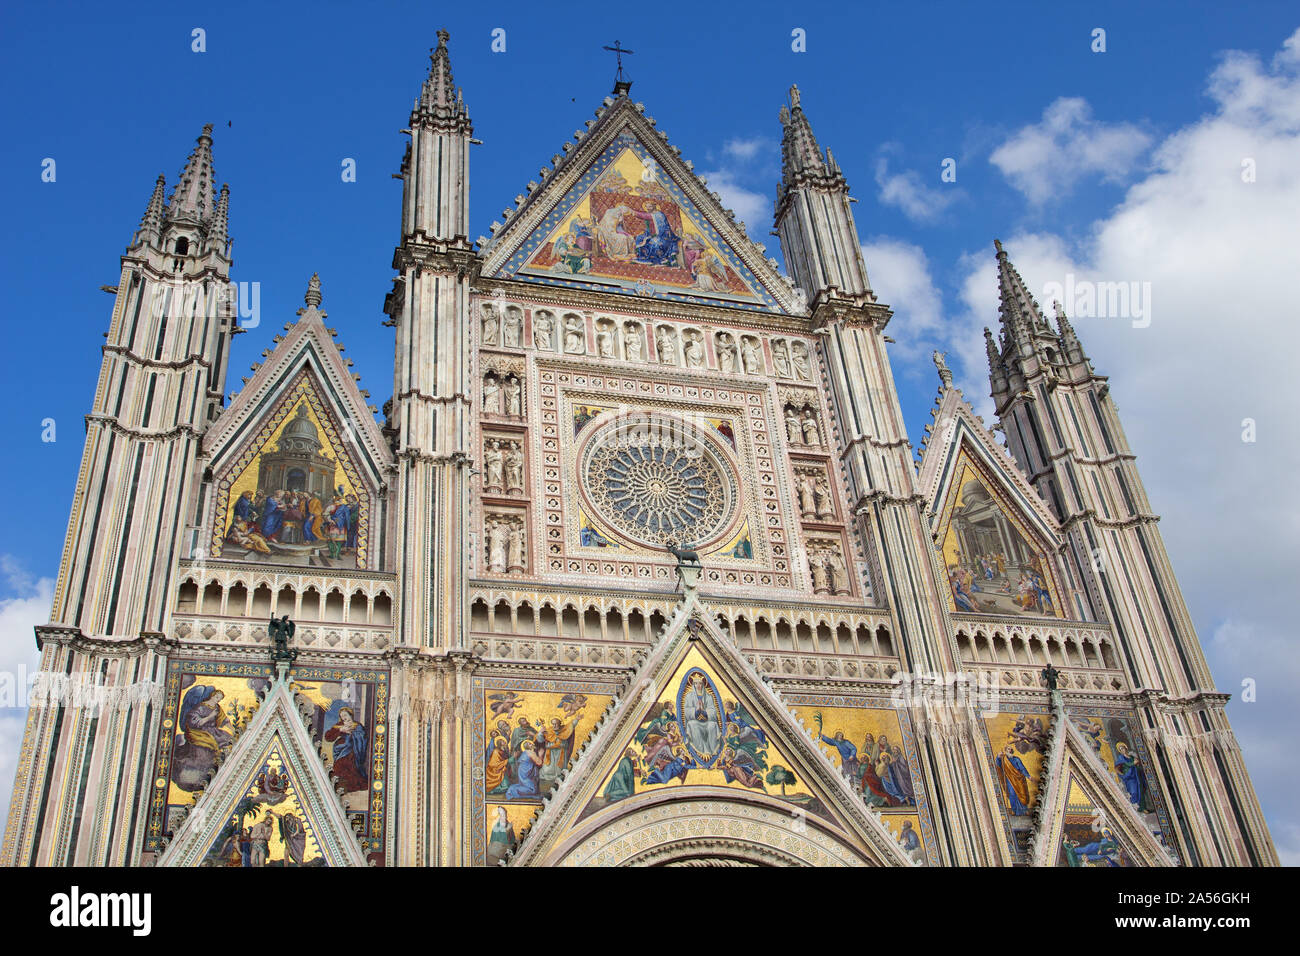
636,566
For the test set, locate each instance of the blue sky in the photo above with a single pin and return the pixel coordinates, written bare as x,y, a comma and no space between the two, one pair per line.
1076,159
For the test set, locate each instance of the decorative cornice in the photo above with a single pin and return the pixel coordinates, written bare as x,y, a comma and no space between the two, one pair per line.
73,638
194,358
143,434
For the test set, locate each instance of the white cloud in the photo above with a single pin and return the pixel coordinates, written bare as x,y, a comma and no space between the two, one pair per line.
18,659
752,208
1045,159
900,276
745,149
919,202
1220,256
745,159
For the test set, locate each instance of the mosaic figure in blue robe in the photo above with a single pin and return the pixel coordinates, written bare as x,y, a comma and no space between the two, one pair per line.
1130,776
676,767
657,244
272,517
526,770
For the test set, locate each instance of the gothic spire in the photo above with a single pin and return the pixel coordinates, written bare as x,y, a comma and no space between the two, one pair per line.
991,349
151,221
194,197
1070,343
1020,314
997,370
801,157
440,97
812,214
219,235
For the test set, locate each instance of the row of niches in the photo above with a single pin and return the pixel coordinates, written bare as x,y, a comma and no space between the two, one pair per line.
629,340
778,632
1065,651
310,604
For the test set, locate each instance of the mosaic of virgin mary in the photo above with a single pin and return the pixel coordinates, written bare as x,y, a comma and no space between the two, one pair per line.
206,733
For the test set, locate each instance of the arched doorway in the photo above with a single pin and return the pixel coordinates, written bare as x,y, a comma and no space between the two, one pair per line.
707,826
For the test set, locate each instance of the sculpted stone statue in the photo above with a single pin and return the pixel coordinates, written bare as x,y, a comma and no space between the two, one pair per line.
781,359
514,467
807,496
667,347
811,435
498,542
514,327
605,342
515,547
575,335
490,322
726,353
837,578
799,358
543,330
822,497
793,427
491,394
513,396
821,583
694,352
634,342
492,464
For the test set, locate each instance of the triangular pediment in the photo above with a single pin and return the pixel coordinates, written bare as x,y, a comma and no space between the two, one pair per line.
996,540
302,450
1083,818
271,802
307,345
623,213
957,431
698,742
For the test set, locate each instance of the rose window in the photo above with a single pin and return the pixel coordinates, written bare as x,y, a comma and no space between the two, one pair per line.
659,481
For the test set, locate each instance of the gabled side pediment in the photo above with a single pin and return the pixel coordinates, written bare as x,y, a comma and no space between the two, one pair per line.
1083,817
271,802
700,758
622,213
996,539
297,460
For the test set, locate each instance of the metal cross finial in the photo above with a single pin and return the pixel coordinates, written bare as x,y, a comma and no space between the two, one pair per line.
621,84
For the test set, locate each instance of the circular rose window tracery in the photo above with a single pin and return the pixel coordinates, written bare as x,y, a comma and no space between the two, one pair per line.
658,480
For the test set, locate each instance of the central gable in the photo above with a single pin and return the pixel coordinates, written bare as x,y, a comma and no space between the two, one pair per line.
695,734
626,220
699,743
